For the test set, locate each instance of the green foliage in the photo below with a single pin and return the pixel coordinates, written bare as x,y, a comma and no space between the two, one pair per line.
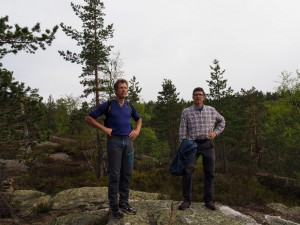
21,110
154,180
217,84
220,94
56,177
166,116
281,126
235,194
146,140
21,114
23,38
134,90
94,54
161,151
30,157
229,188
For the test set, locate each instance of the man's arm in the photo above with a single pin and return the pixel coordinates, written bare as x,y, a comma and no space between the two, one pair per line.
182,128
220,124
91,121
134,133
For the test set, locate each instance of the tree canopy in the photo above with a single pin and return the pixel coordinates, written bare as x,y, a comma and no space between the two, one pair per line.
17,38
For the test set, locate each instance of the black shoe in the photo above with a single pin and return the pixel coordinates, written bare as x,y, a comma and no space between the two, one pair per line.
126,208
184,205
118,214
210,205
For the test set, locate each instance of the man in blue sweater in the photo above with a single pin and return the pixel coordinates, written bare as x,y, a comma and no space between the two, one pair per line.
201,123
120,152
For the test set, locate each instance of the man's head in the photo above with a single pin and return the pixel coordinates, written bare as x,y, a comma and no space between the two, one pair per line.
198,96
121,88
198,89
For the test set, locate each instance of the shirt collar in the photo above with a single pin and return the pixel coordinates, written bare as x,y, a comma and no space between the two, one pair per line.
195,108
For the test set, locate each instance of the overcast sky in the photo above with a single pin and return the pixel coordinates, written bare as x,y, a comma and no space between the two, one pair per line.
254,41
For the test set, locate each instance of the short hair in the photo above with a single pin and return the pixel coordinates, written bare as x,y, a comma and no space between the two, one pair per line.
199,89
121,80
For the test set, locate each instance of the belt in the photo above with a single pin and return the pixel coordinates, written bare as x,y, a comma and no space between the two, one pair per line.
201,141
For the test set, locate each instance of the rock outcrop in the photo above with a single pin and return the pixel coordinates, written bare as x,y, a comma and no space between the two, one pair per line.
89,206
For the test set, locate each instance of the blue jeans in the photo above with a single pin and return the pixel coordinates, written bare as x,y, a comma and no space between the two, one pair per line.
206,149
120,158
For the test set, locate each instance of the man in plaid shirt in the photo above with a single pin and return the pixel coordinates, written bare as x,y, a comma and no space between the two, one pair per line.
201,123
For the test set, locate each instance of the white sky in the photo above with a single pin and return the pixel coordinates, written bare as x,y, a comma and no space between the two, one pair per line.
254,40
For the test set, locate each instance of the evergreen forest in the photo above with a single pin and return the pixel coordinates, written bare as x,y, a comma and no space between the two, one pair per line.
258,153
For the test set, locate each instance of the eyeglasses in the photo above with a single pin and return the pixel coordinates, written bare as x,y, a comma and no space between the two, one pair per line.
198,95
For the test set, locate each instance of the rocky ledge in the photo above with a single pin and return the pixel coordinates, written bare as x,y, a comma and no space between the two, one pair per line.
89,206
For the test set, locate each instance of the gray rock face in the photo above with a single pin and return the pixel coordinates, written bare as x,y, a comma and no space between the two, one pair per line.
30,202
166,212
60,157
277,220
79,198
13,165
81,219
284,209
89,206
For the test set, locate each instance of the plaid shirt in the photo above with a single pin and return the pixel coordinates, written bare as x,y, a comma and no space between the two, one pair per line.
197,124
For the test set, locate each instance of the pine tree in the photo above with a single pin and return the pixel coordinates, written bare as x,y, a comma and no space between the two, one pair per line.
20,114
134,90
21,107
253,107
217,84
217,92
94,53
23,38
167,115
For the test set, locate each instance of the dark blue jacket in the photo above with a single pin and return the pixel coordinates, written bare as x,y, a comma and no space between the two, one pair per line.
185,153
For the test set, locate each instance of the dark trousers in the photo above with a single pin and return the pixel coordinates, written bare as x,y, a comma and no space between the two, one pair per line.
120,157
207,151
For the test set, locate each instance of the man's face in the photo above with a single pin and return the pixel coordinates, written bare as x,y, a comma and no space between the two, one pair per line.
198,97
122,90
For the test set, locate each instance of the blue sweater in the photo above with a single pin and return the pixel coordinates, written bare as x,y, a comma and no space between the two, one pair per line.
118,117
185,153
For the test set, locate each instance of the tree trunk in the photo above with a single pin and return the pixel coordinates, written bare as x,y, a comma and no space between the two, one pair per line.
27,147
